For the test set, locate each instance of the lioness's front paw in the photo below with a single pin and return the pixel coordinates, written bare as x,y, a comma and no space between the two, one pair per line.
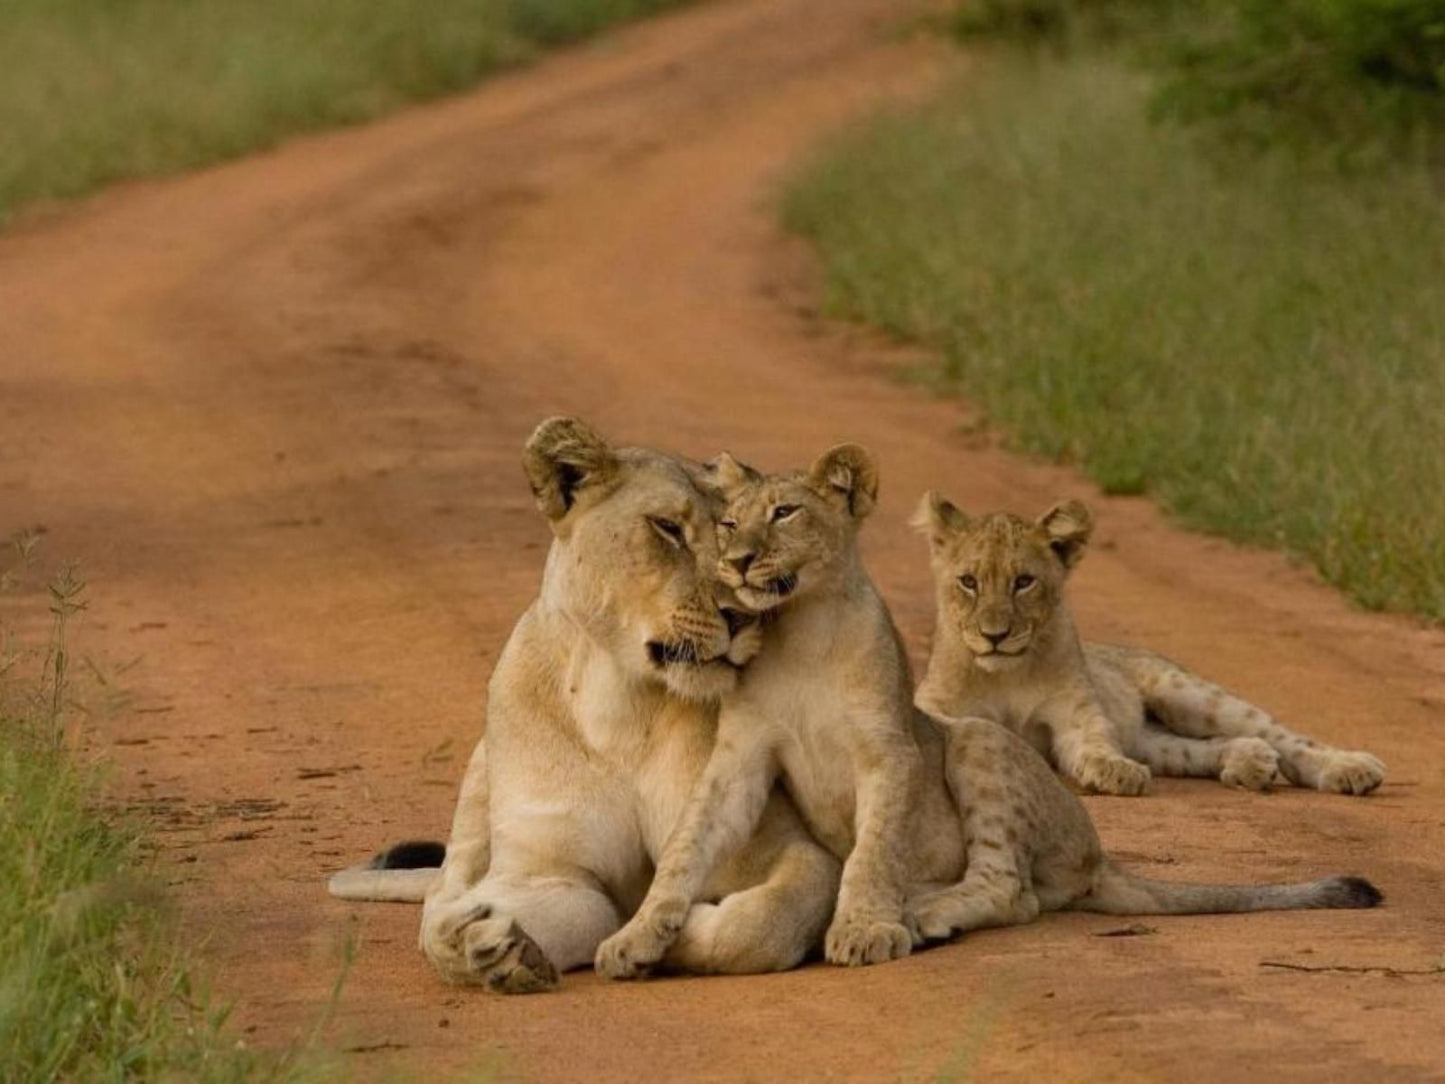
503,958
633,950
855,941
1114,775
1352,773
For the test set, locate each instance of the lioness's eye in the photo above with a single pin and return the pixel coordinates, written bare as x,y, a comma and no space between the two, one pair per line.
968,583
670,531
1023,583
783,511
728,525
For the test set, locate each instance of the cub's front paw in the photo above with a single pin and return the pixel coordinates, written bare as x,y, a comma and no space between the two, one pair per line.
1114,775
859,940
501,957
1251,763
933,916
635,949
1352,773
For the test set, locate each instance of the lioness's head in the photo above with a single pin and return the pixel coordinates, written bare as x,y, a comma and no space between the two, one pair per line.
999,577
784,535
634,555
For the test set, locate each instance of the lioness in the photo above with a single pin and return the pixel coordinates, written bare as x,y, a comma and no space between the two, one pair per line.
944,829
1006,649
601,713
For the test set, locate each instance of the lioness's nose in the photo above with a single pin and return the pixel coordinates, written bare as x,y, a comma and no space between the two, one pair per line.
741,561
996,638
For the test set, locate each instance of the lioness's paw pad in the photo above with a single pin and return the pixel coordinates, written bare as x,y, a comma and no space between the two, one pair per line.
1352,773
1114,775
442,931
862,941
1250,763
503,958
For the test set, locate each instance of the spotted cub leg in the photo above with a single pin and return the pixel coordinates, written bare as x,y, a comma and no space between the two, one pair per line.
1196,708
996,805
1251,763
1087,749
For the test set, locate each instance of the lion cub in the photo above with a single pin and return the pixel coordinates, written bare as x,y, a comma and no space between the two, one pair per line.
943,828
1005,648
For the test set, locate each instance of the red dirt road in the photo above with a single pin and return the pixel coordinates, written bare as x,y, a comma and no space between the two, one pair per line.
275,410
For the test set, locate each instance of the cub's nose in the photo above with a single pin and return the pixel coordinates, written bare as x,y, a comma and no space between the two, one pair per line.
996,638
741,561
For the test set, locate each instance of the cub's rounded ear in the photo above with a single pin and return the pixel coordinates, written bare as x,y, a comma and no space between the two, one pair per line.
1068,525
729,474
563,457
937,518
847,474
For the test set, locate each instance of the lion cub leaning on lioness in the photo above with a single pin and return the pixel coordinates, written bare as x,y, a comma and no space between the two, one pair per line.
1006,649
944,829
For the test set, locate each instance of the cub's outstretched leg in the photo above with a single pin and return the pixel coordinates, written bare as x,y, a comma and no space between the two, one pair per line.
1191,706
1086,747
1251,763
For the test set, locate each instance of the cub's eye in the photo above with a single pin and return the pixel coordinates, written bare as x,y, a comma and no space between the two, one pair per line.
728,525
968,582
670,531
1023,583
783,511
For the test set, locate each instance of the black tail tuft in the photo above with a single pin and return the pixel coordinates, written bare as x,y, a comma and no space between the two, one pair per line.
415,854
1350,892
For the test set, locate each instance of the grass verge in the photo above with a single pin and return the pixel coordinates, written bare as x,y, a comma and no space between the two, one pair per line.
94,92
1256,341
91,985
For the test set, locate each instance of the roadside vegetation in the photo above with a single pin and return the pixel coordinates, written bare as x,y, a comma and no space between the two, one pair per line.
92,986
1198,251
94,92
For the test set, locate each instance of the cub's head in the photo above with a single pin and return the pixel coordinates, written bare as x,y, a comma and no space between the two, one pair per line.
999,577
782,536
634,556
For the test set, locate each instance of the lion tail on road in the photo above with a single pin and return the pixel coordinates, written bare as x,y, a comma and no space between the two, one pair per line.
399,874
1118,892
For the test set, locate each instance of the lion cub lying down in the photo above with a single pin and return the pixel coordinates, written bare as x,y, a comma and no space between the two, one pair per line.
943,829
1006,649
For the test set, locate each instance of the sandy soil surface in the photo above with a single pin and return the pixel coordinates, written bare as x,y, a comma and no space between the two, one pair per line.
275,410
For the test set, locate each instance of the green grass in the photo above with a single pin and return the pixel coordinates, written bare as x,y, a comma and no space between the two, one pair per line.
1257,342
93,91
92,986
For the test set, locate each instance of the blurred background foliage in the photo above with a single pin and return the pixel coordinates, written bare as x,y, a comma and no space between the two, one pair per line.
1364,76
1197,248
95,91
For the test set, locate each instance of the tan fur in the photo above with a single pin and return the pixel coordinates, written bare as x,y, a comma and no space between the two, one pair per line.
942,828
601,714
1006,649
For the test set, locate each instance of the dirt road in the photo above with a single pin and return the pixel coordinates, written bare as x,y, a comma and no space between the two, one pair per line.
275,410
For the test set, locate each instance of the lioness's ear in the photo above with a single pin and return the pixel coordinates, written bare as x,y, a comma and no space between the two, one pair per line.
847,473
938,518
562,457
728,474
1068,525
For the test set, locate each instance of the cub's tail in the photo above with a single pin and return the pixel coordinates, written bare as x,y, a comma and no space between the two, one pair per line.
399,874
1118,892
